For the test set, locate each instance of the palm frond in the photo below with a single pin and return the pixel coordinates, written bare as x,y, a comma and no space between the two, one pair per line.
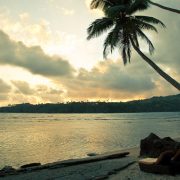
98,27
124,55
151,20
125,48
108,3
143,25
112,40
137,5
135,38
100,4
96,3
144,37
115,11
125,28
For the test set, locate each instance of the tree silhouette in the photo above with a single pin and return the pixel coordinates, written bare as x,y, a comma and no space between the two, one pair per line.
164,7
143,3
125,31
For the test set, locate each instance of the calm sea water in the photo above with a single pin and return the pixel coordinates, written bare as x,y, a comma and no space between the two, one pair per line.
26,138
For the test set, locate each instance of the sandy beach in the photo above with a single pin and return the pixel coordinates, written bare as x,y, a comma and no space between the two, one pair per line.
105,166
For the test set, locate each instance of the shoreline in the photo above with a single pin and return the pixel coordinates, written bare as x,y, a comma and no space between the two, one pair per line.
138,112
71,164
110,165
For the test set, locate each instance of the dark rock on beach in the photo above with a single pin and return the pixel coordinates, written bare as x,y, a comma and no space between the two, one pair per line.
7,170
153,145
92,154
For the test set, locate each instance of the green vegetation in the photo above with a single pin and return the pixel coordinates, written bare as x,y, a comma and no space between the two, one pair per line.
125,30
155,104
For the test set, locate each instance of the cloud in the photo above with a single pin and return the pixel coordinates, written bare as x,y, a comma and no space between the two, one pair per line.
25,92
23,87
32,58
67,12
4,88
52,41
106,80
52,95
112,75
110,80
25,30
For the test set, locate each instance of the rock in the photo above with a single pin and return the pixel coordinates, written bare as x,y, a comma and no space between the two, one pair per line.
30,165
168,139
7,170
92,154
177,146
153,146
146,144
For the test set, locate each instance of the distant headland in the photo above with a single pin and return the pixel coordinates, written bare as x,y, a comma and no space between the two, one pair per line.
154,104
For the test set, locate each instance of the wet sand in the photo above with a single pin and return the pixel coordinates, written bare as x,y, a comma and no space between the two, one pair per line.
105,166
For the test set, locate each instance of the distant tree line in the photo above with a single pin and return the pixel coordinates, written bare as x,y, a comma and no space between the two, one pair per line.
155,104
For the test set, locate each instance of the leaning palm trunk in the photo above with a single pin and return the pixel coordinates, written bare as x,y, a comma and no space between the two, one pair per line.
156,68
164,7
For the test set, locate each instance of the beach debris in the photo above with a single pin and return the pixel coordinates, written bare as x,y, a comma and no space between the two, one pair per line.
153,145
30,165
92,154
100,166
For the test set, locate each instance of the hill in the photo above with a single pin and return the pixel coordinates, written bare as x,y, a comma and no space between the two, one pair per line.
154,104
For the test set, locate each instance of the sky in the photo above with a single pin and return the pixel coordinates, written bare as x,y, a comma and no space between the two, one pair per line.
46,58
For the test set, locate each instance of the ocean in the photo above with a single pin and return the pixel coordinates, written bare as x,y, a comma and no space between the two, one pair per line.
27,138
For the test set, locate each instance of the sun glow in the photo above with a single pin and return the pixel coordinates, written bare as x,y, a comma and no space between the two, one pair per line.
49,49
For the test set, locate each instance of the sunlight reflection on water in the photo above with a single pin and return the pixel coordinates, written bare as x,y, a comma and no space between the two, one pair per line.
26,138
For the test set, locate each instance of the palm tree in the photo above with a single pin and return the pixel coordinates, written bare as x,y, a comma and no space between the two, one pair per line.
146,3
125,31
164,7
103,4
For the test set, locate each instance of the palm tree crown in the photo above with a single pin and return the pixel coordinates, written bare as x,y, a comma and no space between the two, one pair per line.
124,29
103,4
141,4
